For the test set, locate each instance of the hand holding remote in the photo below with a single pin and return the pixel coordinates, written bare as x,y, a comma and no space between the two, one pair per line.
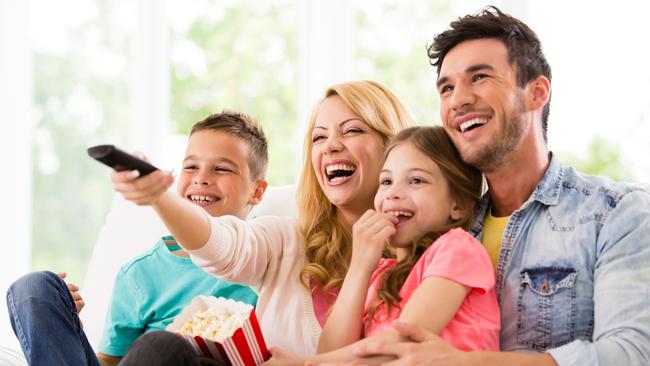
119,160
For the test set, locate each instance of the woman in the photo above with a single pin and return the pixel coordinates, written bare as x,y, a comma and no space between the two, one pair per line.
296,267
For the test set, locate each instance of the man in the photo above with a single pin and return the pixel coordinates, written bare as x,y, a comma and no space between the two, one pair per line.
571,252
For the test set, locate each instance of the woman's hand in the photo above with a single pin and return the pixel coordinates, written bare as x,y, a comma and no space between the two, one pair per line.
369,238
280,357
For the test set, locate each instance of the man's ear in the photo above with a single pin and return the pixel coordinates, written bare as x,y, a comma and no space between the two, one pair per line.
539,92
258,192
457,211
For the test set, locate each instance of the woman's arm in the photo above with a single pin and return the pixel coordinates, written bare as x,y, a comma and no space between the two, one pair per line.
188,223
345,323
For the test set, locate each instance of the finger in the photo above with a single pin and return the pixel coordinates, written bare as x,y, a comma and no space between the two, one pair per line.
124,176
79,305
362,221
390,218
386,232
72,287
140,155
62,275
380,348
76,296
413,332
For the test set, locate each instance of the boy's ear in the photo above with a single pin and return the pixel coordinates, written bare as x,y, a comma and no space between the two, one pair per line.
258,192
457,211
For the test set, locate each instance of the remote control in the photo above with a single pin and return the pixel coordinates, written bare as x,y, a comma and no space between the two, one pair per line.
119,160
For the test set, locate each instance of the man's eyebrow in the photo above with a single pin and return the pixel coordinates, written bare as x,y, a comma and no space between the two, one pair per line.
471,69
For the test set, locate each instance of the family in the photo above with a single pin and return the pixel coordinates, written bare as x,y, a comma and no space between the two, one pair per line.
468,243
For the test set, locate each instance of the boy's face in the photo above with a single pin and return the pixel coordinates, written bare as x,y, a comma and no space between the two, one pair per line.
216,175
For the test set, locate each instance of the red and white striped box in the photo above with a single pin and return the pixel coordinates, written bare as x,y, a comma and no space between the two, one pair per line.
245,347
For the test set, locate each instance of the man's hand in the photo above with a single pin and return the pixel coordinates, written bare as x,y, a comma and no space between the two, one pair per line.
423,348
74,292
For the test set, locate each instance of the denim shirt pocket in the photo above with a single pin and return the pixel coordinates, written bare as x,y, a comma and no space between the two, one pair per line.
546,308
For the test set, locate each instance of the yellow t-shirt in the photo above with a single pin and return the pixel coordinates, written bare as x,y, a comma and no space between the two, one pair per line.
493,228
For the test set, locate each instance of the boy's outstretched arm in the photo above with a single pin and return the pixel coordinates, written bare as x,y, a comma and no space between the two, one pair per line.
188,223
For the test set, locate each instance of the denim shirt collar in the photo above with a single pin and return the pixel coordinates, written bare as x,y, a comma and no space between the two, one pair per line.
547,193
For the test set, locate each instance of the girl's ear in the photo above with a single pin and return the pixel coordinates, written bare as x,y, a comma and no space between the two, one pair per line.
457,211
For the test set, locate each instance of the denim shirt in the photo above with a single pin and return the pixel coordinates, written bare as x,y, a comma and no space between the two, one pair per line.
573,275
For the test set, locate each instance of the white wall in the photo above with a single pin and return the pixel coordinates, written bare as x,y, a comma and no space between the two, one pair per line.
15,149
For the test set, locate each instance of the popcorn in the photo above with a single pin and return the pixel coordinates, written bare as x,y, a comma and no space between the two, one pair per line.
214,324
223,329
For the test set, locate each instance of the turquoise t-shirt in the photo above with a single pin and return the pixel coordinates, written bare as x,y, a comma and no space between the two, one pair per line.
152,289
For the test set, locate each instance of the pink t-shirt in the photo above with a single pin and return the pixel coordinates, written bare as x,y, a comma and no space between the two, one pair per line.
322,301
459,257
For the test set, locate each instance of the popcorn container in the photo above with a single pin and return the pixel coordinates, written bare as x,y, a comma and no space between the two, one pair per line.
208,324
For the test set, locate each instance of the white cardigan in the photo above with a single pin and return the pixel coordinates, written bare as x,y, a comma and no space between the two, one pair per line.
266,253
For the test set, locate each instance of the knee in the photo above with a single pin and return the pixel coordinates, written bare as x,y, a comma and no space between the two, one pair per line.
36,284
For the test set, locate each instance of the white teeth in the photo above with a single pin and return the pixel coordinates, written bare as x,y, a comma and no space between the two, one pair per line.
334,167
476,121
399,213
198,198
337,179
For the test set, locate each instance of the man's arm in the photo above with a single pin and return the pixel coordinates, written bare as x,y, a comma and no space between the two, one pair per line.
621,278
426,348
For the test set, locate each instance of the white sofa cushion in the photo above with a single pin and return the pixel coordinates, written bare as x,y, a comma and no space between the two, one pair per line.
130,230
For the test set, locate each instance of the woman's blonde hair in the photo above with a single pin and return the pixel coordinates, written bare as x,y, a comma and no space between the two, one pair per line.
465,185
328,244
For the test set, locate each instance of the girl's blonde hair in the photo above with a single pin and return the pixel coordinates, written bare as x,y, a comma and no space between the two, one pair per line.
328,244
465,186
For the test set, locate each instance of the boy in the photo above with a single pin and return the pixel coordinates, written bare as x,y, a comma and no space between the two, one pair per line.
223,173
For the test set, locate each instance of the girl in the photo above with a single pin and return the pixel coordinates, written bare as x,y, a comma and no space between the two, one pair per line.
295,267
442,278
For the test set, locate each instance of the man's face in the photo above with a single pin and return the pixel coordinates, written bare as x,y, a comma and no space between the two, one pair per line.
216,175
482,108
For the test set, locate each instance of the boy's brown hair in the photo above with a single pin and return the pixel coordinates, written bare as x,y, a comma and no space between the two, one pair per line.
246,128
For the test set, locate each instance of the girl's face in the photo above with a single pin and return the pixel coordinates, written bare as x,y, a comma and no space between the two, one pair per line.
412,188
346,155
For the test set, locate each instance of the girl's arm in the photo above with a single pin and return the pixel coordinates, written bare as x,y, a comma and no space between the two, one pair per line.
188,223
344,325
433,304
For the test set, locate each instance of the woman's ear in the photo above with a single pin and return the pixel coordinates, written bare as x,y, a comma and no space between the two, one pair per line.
258,192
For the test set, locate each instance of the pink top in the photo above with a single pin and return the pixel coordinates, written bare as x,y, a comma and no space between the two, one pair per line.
322,301
459,257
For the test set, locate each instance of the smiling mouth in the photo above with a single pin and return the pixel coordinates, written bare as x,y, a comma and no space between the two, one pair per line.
402,215
202,199
472,124
339,173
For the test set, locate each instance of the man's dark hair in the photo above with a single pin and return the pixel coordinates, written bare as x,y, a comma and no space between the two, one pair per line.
524,48
247,129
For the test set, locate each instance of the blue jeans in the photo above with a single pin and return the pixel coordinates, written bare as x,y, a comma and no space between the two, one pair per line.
45,321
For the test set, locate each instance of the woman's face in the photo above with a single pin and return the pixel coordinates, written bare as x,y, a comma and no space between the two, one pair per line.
346,156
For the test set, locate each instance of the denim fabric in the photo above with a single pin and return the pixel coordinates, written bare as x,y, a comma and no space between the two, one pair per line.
44,318
573,275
